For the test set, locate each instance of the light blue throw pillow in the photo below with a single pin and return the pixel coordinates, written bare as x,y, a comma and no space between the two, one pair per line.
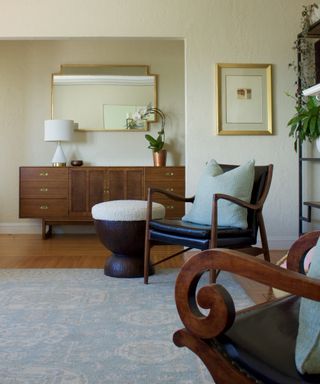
307,353
237,182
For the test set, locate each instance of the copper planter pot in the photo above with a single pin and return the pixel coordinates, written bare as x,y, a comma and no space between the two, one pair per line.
160,158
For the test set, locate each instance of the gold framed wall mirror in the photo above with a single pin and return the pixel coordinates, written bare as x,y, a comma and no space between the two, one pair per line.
103,97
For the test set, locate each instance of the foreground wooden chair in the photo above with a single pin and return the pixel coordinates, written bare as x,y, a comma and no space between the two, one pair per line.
256,345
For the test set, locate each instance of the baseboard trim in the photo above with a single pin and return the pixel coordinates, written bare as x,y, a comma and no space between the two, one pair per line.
34,227
20,228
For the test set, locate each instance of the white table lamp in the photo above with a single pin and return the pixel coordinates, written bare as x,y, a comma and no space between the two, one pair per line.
58,130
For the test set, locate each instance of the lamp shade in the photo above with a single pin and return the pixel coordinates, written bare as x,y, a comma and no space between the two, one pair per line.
58,130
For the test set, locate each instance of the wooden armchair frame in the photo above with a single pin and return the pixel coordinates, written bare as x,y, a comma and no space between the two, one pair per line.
255,208
200,331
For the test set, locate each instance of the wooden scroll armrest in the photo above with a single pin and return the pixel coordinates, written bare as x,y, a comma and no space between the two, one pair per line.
299,249
217,300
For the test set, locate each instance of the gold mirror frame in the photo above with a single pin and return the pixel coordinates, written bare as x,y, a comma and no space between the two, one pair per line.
103,97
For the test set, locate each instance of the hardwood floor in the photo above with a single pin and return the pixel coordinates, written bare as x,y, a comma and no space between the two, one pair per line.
86,251
63,251
67,251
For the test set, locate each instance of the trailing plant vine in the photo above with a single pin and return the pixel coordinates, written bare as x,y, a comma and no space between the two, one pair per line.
305,124
304,66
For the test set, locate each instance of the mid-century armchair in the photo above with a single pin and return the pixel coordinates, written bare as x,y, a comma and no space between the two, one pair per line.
190,235
255,345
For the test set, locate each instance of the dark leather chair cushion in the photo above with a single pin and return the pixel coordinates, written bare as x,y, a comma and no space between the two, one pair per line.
262,341
198,236
170,238
182,228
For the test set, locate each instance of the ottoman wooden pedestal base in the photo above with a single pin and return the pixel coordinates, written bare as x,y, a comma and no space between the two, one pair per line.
121,225
125,239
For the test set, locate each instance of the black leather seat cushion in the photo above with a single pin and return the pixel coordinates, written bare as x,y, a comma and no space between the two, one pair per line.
196,235
182,228
263,342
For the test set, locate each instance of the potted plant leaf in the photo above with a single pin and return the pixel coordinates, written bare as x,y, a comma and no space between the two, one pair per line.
305,124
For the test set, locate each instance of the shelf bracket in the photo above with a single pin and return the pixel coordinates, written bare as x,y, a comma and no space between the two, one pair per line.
308,218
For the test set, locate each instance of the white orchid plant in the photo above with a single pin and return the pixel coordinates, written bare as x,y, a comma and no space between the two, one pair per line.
156,144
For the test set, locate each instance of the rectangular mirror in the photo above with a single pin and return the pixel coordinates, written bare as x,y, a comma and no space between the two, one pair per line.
103,97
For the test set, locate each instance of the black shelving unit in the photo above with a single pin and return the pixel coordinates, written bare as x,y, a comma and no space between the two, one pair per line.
313,33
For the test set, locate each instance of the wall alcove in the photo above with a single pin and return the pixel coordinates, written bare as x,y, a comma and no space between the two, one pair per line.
28,67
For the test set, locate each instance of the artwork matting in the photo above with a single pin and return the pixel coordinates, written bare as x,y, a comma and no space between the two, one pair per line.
244,99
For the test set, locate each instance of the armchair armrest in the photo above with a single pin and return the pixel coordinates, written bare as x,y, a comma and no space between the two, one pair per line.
234,200
171,195
243,203
299,249
214,215
215,298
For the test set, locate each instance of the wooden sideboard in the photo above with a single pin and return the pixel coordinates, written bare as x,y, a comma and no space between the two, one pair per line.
66,195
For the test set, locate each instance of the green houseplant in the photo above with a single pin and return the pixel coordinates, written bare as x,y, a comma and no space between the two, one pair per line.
156,144
305,124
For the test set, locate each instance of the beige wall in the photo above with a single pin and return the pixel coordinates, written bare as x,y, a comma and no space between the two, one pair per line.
235,31
25,102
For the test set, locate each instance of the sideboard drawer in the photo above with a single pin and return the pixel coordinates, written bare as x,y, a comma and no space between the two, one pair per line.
43,208
43,173
44,188
168,185
171,179
164,173
174,209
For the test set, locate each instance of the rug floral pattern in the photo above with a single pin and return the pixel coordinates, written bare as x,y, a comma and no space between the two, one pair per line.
77,326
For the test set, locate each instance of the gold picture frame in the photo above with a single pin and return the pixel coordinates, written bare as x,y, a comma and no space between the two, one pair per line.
244,99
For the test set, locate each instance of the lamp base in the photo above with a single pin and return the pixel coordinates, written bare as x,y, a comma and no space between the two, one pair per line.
59,159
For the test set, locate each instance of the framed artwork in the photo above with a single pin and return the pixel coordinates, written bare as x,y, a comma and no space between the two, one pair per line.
244,99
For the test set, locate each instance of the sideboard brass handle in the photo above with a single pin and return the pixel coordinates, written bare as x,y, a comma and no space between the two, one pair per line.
170,189
169,173
43,173
43,189
169,206
44,207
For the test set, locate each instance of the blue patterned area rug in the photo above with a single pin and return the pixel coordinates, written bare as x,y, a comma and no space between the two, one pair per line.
77,326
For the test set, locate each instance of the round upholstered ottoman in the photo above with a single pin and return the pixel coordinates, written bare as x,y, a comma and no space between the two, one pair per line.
120,225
